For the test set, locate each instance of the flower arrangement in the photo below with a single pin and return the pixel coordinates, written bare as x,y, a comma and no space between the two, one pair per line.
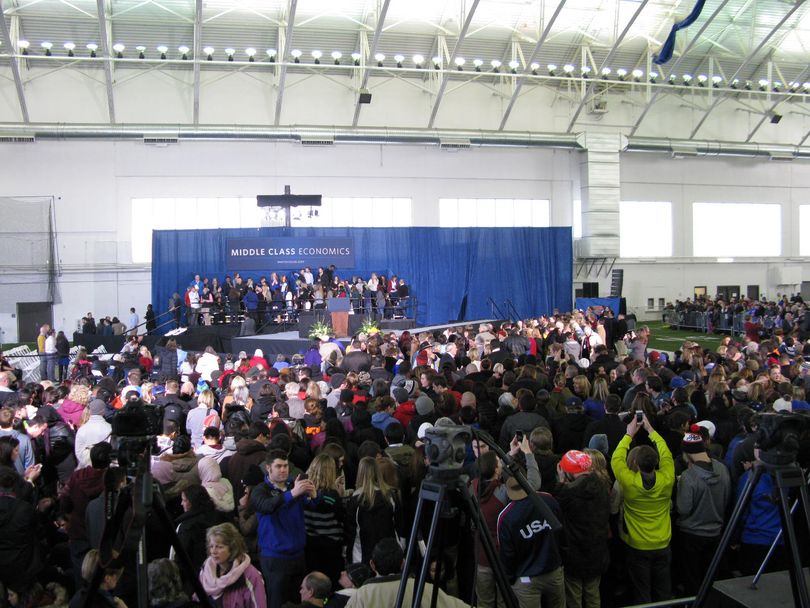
318,329
369,327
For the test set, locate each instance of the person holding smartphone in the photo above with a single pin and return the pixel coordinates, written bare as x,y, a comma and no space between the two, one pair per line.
647,528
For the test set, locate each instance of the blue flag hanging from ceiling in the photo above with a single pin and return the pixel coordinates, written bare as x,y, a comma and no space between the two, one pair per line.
665,54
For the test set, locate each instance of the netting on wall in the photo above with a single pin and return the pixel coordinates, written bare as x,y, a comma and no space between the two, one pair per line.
28,244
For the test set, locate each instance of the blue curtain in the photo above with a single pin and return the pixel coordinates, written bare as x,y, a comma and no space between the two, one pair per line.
530,266
665,54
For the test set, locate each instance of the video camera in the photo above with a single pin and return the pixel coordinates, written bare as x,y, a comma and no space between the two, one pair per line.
778,436
136,427
446,447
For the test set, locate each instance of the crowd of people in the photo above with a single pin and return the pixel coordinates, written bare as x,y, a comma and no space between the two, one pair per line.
208,301
295,481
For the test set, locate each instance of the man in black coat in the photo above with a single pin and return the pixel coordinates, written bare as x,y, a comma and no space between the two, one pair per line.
611,425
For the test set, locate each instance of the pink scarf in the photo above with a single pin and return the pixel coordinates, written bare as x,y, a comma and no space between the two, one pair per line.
215,585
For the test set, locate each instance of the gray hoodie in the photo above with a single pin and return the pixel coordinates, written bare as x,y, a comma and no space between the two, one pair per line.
704,491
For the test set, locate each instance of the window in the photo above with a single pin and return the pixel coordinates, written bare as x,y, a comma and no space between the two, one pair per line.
576,220
736,229
804,230
493,213
242,212
645,229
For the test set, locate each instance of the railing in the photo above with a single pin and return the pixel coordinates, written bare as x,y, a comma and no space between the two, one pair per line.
701,321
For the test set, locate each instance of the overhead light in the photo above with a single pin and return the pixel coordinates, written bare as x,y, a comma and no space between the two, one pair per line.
621,73
272,53
209,53
460,61
552,69
47,46
92,47
399,59
437,62
477,63
672,78
568,69
183,49
316,55
418,60
777,86
794,86
163,49
606,73
514,65
734,83
296,54
637,74
356,58
141,51
251,53
806,86
496,65
534,67
379,57
23,46
230,53
336,55
70,47
585,71
702,78
119,50
687,78
763,84
716,80
653,77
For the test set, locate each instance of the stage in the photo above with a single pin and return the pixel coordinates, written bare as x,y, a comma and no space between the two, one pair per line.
283,339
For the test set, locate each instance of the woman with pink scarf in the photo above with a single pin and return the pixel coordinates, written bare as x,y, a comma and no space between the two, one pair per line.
227,575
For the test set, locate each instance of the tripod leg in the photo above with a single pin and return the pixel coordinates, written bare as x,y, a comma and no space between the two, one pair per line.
434,524
406,568
501,580
797,583
771,550
742,503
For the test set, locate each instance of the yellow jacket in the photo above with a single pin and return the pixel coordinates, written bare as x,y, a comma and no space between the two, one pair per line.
647,524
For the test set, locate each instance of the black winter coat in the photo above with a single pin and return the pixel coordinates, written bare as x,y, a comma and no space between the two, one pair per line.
21,559
585,506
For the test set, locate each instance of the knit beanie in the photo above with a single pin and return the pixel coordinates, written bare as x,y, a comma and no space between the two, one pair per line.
424,405
693,441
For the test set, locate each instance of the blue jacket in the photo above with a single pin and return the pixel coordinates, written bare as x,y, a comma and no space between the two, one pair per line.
251,300
282,532
762,523
381,420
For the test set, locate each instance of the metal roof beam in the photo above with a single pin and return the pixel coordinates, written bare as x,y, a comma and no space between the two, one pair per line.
197,59
521,79
15,66
589,92
282,56
745,62
765,115
104,28
372,51
456,49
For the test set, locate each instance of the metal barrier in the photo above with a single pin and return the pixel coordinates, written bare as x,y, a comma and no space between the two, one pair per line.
723,323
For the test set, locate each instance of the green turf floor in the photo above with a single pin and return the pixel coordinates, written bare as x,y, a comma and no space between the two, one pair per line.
662,337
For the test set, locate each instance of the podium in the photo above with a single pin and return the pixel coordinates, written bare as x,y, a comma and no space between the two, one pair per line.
339,311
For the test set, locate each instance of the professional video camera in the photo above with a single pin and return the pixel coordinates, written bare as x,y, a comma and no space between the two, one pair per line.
446,447
777,436
134,429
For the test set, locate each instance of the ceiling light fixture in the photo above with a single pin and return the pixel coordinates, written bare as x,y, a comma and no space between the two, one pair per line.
316,55
23,46
621,73
209,53
272,54
687,79
251,53
653,76
552,69
496,65
356,58
716,80
568,69
92,47
141,51
606,73
418,61
477,63
437,62
702,78
763,84
47,46
379,57
336,55
296,54
513,66
70,47
119,50
230,53
637,74
585,71
460,61
183,49
399,59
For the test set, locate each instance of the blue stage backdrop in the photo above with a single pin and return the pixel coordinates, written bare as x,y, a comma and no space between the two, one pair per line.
530,266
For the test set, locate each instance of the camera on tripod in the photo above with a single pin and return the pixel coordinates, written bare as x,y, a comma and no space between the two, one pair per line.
136,427
777,436
446,447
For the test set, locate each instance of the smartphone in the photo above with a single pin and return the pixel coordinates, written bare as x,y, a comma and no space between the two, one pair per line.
639,416
519,435
303,476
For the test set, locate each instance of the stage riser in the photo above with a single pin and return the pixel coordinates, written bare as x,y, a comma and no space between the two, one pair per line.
772,591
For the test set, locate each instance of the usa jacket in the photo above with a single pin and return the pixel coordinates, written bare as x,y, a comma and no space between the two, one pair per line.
528,547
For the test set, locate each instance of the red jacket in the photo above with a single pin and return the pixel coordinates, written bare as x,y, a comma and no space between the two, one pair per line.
83,486
405,413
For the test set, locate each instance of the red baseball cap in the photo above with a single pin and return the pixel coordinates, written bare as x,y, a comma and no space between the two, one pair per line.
575,462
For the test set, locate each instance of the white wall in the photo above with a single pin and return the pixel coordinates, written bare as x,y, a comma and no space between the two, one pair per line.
94,182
